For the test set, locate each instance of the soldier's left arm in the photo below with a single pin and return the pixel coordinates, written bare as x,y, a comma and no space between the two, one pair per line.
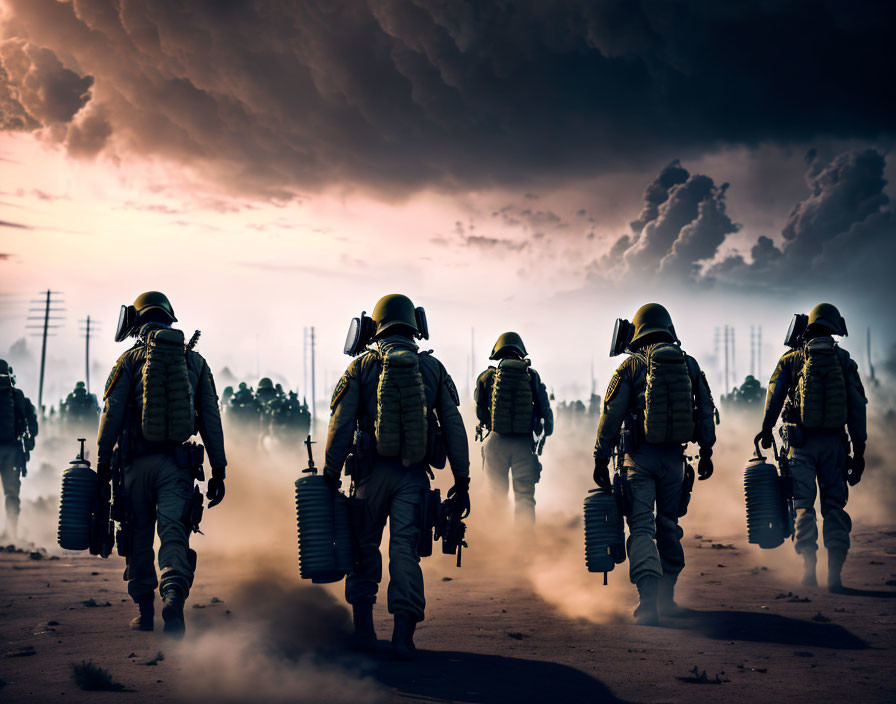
31,418
856,408
115,403
344,406
617,401
706,407
208,414
542,403
456,444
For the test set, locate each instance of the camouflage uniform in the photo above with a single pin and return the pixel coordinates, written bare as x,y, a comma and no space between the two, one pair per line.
12,465
821,456
158,491
508,453
654,471
387,489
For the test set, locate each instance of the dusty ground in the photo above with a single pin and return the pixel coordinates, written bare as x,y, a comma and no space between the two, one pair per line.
487,638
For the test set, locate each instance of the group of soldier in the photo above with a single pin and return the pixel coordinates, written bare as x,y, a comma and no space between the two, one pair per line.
270,410
395,413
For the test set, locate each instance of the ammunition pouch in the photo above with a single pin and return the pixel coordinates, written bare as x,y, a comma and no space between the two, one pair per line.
687,486
622,490
632,433
191,456
193,510
436,450
428,516
794,435
357,464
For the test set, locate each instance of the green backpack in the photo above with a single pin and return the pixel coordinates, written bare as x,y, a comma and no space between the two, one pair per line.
168,413
511,411
821,387
669,396
401,420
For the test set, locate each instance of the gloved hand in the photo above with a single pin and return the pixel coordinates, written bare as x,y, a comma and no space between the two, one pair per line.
215,493
602,472
104,473
766,438
460,492
855,469
23,472
704,465
332,478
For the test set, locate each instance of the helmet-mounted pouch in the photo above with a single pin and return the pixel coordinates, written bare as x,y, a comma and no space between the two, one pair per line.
360,333
422,326
797,330
127,317
623,333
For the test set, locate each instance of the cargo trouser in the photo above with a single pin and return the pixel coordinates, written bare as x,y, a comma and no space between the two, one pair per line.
655,474
158,494
818,466
12,482
389,491
512,455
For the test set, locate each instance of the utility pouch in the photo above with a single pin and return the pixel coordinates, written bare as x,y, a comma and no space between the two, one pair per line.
794,435
687,486
436,451
427,518
191,456
194,509
622,490
630,437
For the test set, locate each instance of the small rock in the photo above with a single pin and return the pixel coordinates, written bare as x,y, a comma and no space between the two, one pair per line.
447,579
821,618
52,623
35,556
215,600
22,652
516,635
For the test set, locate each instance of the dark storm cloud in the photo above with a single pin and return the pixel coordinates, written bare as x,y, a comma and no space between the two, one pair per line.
396,95
495,243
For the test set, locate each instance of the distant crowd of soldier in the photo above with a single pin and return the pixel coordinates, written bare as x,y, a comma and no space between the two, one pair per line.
270,409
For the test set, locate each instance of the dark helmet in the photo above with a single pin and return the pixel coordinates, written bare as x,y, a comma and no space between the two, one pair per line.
394,310
80,385
242,386
5,369
827,315
652,318
506,342
228,389
265,383
154,300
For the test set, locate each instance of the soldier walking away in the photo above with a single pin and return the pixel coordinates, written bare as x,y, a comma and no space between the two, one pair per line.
394,414
817,386
512,404
657,401
159,394
18,429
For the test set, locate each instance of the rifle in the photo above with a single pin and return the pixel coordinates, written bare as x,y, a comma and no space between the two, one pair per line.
24,455
119,513
102,529
786,481
451,529
193,340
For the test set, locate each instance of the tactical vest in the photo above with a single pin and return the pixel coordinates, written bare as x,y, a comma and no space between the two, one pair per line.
8,425
512,402
821,387
168,413
401,415
668,396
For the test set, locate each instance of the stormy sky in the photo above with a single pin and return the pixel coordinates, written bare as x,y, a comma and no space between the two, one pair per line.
517,156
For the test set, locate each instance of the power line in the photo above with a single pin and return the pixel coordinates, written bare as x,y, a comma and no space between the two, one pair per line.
50,313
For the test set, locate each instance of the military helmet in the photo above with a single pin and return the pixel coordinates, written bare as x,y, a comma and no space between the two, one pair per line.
154,300
5,369
827,315
265,383
80,385
243,386
508,340
393,310
652,318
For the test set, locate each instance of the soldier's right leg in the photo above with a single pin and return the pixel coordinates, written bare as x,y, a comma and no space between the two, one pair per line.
802,469
11,484
140,570
496,462
362,583
645,569
525,469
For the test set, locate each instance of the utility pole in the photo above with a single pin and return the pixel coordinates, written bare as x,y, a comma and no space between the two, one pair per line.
89,327
46,313
733,359
752,351
313,393
870,365
759,352
726,359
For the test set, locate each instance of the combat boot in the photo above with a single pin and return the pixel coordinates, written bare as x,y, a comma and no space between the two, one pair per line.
364,636
144,621
666,598
836,558
647,614
809,561
173,612
403,647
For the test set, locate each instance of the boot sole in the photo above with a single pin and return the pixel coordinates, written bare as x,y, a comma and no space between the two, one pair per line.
174,622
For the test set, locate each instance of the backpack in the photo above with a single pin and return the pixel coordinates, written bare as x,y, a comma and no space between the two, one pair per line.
668,397
168,413
401,427
8,425
821,387
512,402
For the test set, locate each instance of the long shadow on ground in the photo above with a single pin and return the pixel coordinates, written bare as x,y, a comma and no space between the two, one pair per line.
446,676
768,628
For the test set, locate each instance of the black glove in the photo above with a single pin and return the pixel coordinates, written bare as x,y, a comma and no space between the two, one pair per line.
460,492
855,469
602,472
704,465
23,472
766,438
332,478
215,493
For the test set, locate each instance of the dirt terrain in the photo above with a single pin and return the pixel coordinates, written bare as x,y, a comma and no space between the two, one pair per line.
488,637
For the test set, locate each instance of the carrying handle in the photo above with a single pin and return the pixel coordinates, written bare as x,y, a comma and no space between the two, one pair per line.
311,469
759,451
